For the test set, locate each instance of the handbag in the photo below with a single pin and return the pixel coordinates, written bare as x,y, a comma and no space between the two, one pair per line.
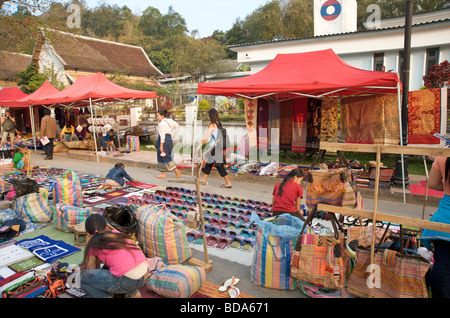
68,190
321,260
335,187
400,275
33,207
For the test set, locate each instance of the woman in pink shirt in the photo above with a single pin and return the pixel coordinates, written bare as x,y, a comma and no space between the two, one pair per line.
125,267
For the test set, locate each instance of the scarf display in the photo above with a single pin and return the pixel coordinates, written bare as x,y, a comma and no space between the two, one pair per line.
263,120
251,120
314,115
299,130
286,111
424,116
274,125
329,120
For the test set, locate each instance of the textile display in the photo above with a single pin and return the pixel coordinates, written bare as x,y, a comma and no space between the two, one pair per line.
176,281
321,260
251,120
363,235
33,207
275,240
162,234
424,116
133,143
46,249
299,129
68,190
274,125
329,120
263,123
334,187
286,112
370,119
313,122
67,216
400,276
12,254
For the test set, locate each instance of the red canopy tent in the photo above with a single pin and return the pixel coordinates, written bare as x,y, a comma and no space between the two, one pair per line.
12,93
91,89
45,90
312,74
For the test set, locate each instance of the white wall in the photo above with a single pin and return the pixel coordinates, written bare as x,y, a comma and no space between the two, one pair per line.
49,59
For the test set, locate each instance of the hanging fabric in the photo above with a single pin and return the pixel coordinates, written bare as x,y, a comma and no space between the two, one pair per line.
286,112
251,120
314,114
329,120
263,118
424,116
273,125
299,130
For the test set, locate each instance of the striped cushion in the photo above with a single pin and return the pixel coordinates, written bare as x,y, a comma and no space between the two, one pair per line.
176,281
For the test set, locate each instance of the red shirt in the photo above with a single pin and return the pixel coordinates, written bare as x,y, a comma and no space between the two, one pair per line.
287,201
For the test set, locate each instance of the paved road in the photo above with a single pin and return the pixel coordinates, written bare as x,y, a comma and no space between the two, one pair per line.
225,268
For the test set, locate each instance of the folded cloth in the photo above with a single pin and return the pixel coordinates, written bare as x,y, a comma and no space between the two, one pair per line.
46,249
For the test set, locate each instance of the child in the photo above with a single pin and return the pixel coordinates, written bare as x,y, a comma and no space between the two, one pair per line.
288,194
20,161
127,268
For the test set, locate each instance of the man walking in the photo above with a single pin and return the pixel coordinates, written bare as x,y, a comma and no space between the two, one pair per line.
48,129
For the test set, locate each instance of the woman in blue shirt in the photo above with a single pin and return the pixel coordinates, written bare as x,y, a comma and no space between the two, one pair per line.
115,177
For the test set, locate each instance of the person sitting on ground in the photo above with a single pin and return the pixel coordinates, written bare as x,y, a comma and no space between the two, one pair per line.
68,133
115,177
109,138
288,194
127,268
19,160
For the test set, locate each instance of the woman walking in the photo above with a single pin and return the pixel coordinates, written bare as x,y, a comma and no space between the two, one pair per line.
167,128
214,158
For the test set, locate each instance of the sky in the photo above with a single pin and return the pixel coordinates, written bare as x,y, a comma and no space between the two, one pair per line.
206,16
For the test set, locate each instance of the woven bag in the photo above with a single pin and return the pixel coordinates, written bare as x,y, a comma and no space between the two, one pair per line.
68,190
400,275
162,234
33,207
321,260
66,217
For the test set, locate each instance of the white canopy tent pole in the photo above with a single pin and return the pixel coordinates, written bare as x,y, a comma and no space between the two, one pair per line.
401,139
33,128
93,128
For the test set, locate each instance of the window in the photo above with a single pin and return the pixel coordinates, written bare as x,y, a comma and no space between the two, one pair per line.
432,58
378,62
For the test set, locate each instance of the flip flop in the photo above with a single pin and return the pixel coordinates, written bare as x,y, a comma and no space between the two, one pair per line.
225,186
223,243
234,292
231,282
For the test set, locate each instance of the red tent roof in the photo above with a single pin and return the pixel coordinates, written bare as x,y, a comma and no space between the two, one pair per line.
12,93
316,74
95,86
45,90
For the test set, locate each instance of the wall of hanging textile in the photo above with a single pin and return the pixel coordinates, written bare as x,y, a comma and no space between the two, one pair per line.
329,120
370,119
299,130
251,120
424,116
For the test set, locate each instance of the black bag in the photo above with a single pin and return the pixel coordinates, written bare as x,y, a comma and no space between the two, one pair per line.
24,186
122,219
8,125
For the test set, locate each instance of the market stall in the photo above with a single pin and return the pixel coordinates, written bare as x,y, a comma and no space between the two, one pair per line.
87,91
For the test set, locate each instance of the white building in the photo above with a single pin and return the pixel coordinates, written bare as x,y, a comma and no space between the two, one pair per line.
376,49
